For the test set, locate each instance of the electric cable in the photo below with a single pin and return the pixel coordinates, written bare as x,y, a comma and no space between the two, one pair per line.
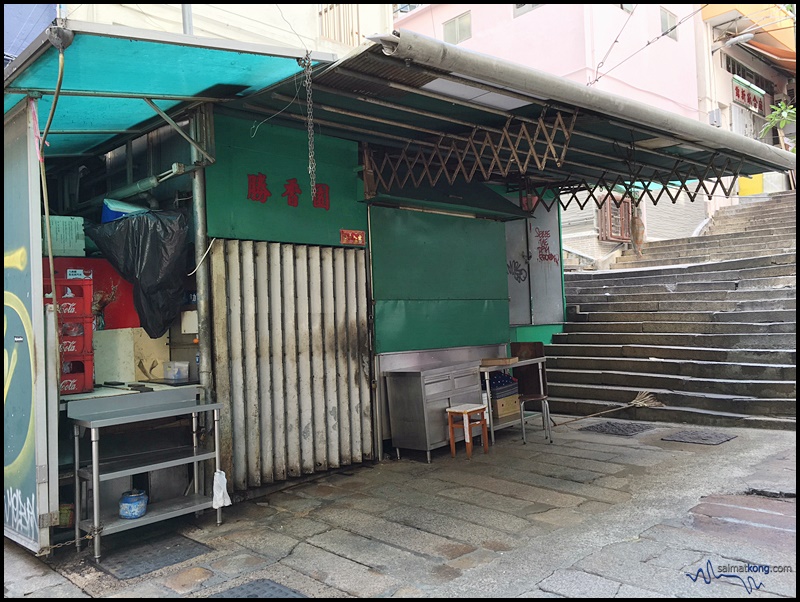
664,33
616,40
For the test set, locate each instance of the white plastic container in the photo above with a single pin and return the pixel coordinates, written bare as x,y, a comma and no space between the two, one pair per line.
176,370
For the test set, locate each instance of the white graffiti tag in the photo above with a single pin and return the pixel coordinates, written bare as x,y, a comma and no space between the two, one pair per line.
20,514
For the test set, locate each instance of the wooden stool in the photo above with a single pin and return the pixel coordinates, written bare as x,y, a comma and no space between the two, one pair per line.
472,415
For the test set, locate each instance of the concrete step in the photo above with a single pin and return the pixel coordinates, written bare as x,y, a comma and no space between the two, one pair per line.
719,305
750,317
684,352
707,323
730,341
624,262
704,401
781,264
709,296
656,326
754,212
688,368
676,383
755,225
747,206
694,245
565,408
776,218
775,282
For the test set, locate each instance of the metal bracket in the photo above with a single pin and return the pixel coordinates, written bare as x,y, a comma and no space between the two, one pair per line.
49,519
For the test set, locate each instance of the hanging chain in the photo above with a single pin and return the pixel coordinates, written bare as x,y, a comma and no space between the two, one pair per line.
312,162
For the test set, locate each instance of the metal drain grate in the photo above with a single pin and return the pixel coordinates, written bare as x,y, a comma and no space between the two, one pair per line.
259,588
151,555
702,437
624,429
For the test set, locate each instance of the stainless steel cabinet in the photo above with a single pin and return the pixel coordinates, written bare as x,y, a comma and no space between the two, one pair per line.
418,397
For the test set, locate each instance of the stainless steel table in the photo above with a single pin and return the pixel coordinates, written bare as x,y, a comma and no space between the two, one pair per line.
96,412
486,371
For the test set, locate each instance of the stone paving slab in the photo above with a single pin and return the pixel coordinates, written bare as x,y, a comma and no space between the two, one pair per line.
536,520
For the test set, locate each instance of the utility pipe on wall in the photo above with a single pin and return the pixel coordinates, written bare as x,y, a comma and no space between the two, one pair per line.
199,127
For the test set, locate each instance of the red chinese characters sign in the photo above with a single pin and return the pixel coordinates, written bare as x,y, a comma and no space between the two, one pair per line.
353,237
745,95
258,191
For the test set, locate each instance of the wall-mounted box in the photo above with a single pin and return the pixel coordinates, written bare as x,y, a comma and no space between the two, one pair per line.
189,322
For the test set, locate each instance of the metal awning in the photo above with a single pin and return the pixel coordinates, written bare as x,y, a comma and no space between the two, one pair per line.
782,59
116,79
433,113
429,113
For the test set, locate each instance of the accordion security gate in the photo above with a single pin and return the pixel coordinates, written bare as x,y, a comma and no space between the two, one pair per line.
291,359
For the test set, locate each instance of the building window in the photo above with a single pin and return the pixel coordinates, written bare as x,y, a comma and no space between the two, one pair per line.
521,9
340,22
668,24
404,8
628,8
734,67
459,29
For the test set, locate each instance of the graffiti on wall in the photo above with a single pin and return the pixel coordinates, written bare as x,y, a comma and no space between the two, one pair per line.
19,514
517,271
19,495
543,246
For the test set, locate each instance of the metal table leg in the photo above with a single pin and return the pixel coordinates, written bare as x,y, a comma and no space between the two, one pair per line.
76,433
489,405
96,490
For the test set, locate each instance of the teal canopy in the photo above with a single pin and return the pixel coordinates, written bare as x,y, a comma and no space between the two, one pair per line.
109,71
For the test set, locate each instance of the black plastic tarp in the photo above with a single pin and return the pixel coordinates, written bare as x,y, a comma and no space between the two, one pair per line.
149,250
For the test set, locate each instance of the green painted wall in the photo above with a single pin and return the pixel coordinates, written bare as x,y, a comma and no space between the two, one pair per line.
535,334
438,281
275,155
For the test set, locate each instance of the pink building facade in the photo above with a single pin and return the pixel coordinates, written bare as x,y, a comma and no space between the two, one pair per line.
602,45
657,54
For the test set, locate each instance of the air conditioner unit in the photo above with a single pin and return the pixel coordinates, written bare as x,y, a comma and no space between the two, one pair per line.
715,117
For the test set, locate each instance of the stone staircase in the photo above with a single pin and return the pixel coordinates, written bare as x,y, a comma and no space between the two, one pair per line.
706,324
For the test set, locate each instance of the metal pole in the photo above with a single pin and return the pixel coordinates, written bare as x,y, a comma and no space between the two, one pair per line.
198,132
186,15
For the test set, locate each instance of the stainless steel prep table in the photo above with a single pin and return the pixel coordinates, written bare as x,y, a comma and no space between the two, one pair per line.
487,370
100,409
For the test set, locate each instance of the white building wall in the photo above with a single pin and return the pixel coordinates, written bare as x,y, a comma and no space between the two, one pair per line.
284,25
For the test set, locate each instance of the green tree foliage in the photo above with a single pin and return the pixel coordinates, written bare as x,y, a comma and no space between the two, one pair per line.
782,114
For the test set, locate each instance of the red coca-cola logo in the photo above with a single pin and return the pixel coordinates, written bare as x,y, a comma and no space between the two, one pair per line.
68,347
69,385
68,308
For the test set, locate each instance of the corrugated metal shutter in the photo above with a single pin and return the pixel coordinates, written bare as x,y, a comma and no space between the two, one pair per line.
291,359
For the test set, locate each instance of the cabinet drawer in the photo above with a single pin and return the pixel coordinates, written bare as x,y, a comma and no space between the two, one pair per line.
468,395
466,378
434,385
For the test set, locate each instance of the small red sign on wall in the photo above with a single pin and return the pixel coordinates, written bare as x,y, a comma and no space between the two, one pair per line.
352,237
